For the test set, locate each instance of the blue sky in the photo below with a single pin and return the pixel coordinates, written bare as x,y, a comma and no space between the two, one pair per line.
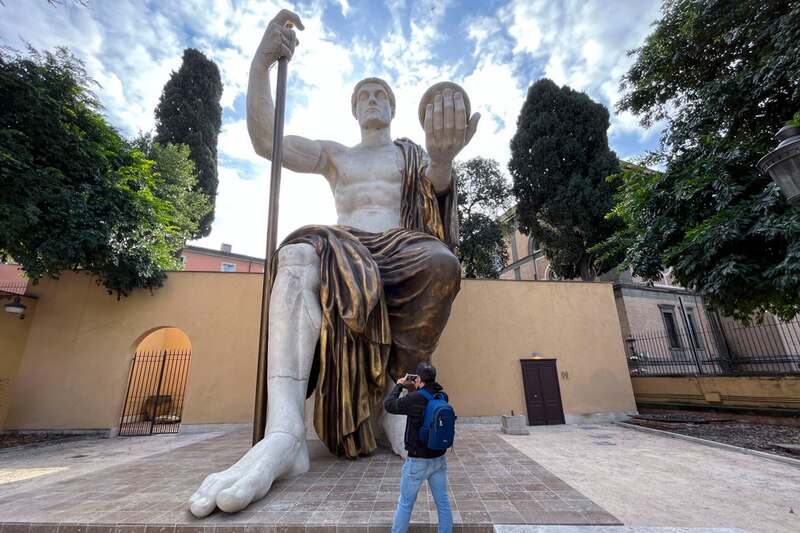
495,49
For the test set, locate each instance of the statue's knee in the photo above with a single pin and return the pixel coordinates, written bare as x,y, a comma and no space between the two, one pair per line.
297,255
446,265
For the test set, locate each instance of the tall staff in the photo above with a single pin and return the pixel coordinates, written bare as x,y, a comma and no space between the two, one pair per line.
260,411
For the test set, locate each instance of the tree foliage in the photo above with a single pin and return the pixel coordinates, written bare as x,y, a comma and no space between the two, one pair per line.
559,162
175,181
75,194
189,112
722,75
482,194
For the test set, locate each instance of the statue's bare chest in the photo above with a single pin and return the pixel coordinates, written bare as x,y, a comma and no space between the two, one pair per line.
368,166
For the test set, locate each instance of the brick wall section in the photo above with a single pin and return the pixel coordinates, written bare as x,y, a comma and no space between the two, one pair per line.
205,263
642,311
206,260
526,271
523,260
622,312
522,244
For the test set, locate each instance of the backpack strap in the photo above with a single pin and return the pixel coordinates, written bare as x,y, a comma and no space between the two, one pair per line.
427,394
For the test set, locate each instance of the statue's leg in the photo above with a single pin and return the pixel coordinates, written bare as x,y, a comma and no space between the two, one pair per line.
295,317
419,301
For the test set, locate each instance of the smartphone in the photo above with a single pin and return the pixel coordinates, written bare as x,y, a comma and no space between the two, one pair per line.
411,377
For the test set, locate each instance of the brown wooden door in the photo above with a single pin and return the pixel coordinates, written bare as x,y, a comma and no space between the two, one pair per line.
542,392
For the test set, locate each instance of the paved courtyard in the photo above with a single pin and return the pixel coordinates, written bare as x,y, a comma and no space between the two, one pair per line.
599,475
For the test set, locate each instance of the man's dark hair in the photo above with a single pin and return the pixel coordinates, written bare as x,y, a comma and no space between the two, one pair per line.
426,372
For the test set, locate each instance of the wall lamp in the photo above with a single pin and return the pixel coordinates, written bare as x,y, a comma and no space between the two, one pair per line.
16,307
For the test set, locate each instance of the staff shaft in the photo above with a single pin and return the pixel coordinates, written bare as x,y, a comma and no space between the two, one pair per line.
260,414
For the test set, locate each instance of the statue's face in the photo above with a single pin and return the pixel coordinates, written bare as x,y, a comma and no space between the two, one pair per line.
372,106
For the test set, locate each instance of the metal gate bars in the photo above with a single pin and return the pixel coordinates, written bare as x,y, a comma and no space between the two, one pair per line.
154,402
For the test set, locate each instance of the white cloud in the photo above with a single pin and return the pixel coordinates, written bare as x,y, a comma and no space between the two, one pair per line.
497,97
585,44
234,142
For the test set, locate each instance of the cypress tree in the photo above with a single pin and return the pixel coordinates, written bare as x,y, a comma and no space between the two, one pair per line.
189,112
559,161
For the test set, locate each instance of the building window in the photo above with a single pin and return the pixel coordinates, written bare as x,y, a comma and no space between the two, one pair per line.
533,246
668,315
228,267
696,342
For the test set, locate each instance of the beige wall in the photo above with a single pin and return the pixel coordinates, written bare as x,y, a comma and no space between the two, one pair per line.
76,364
781,392
13,336
495,323
75,370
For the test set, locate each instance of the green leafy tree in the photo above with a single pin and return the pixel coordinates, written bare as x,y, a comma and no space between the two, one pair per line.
189,112
559,163
722,74
75,195
175,181
482,194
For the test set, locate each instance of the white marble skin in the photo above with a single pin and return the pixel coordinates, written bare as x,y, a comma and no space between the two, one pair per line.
366,183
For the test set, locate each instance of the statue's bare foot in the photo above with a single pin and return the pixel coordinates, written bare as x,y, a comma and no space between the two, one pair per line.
250,478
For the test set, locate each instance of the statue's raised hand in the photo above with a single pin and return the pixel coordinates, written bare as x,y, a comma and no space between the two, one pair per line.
279,39
447,130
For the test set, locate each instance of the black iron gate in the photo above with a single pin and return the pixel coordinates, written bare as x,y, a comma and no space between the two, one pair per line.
154,402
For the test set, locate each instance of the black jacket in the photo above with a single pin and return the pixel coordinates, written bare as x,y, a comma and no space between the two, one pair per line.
413,406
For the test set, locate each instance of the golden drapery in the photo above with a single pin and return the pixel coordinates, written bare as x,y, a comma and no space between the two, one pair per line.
364,279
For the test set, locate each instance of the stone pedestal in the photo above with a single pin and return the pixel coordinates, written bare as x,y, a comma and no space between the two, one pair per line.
514,425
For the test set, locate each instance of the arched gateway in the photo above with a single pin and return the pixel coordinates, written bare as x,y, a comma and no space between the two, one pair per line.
157,383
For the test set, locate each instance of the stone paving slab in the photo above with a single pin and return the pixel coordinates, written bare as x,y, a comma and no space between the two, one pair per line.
490,482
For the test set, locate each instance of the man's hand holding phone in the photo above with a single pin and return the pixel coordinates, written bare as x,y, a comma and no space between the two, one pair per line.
409,381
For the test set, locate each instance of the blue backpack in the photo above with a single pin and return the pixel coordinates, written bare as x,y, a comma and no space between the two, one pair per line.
438,429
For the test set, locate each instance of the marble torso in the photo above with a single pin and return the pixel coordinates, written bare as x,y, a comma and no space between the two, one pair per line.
367,187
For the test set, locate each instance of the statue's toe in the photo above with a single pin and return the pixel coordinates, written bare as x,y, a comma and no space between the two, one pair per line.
234,498
201,506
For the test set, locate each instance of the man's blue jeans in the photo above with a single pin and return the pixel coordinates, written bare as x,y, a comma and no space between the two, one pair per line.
415,472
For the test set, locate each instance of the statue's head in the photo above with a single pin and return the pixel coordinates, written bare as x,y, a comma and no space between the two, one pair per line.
386,90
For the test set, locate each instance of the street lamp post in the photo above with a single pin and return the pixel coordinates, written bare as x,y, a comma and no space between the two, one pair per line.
783,163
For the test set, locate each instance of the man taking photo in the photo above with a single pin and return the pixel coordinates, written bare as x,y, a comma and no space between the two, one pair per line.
422,463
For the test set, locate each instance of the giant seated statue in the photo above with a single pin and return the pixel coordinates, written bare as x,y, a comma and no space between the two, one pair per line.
354,304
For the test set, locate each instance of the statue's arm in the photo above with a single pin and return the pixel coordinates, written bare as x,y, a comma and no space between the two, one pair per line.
299,153
447,132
